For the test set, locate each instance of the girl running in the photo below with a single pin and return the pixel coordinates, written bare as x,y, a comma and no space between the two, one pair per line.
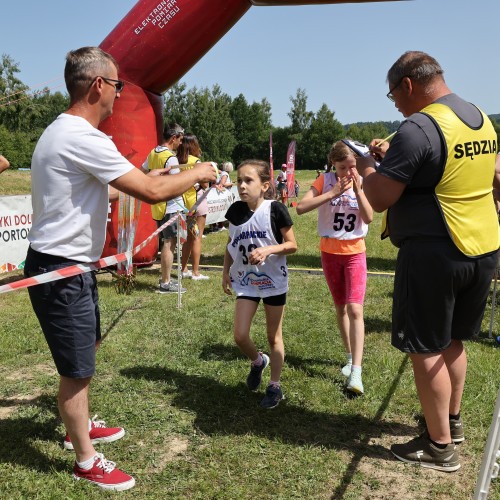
260,235
343,217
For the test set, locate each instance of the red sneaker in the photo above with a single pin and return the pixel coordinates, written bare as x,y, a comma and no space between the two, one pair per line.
99,433
104,474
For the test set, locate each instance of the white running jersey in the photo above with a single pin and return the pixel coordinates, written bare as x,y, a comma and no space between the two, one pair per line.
267,279
340,218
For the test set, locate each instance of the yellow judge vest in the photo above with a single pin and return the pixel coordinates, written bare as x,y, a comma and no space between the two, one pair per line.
156,160
189,196
464,192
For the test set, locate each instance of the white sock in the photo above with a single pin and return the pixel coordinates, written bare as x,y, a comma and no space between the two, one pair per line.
349,358
258,361
356,368
87,465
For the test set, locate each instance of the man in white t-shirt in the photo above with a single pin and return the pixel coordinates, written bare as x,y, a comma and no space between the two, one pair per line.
72,165
164,157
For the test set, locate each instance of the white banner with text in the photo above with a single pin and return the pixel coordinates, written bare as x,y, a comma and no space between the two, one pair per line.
15,223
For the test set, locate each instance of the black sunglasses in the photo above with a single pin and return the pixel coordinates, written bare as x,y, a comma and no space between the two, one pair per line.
389,94
117,84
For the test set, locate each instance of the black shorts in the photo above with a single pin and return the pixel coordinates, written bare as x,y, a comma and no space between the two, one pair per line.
68,312
275,300
169,232
439,295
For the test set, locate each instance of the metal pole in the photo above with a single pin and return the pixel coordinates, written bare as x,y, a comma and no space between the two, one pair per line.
493,301
179,270
489,466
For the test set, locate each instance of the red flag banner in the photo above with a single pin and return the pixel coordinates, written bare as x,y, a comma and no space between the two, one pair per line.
290,170
271,155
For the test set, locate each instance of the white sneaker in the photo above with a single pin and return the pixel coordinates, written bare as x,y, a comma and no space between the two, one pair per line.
170,287
354,383
199,277
187,274
346,370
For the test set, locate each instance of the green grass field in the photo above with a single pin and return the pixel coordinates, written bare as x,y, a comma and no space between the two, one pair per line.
175,380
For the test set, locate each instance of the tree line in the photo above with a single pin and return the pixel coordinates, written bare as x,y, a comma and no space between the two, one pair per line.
228,129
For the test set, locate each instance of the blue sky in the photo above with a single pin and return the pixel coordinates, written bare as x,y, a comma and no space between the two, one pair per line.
339,54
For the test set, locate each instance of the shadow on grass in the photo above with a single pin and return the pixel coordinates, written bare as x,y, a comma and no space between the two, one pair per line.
18,433
377,325
377,421
138,286
380,264
222,352
232,410
220,409
483,338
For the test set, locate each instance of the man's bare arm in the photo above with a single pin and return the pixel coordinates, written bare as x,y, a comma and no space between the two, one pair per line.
157,188
380,191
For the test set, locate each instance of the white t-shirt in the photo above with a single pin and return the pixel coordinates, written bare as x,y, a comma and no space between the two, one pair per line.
176,204
72,165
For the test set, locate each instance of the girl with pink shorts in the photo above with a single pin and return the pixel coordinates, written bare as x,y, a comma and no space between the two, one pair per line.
343,217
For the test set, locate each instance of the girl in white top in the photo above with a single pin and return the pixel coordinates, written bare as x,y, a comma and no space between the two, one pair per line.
260,235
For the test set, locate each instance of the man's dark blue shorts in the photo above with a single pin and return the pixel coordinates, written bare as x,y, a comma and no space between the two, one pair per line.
68,313
170,232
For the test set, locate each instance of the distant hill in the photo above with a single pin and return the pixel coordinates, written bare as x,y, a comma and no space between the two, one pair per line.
390,126
393,126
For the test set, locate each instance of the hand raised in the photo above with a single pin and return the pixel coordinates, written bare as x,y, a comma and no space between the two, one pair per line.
207,171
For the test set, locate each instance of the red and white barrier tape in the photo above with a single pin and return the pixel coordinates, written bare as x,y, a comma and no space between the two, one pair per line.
76,269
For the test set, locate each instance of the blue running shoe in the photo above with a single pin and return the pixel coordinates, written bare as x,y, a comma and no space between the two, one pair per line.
273,396
255,376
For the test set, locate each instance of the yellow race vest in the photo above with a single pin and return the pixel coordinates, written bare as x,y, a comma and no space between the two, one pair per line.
157,159
189,196
464,192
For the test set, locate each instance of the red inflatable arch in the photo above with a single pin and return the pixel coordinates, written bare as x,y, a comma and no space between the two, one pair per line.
155,44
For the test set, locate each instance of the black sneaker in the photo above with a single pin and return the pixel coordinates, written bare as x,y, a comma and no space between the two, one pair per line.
255,376
421,451
457,430
273,396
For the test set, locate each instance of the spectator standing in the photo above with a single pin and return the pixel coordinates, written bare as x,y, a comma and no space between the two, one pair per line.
221,186
189,153
282,188
164,157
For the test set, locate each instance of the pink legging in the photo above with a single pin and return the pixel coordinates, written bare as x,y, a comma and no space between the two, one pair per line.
345,276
